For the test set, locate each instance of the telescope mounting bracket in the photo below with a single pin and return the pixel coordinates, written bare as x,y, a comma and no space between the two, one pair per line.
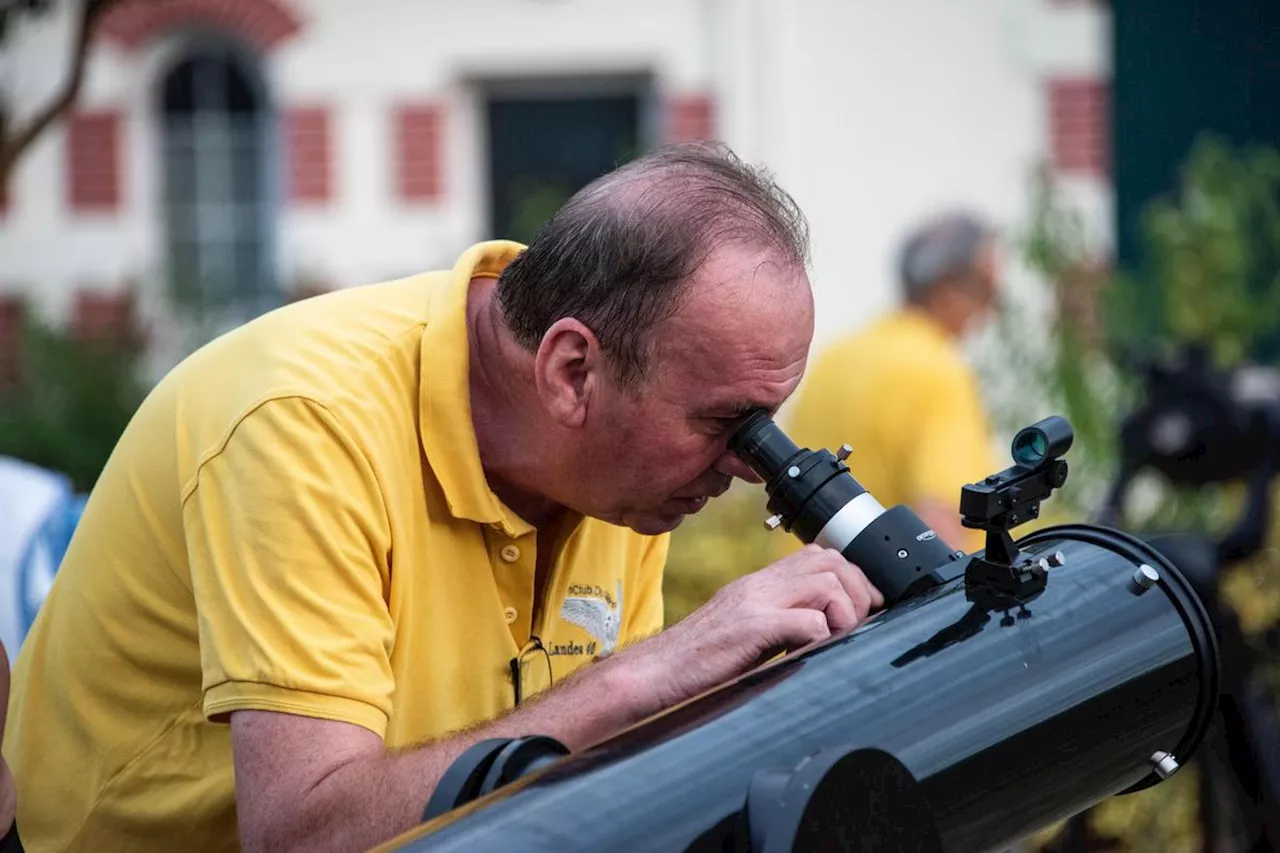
997,505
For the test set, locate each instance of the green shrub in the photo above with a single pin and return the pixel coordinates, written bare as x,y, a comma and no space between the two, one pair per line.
74,398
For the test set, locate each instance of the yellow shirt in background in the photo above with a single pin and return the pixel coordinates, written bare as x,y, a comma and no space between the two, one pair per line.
901,394
296,520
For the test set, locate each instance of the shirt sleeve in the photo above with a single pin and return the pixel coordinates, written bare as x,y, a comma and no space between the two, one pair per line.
288,542
647,616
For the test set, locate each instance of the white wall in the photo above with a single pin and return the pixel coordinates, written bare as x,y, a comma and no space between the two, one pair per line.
873,114
876,114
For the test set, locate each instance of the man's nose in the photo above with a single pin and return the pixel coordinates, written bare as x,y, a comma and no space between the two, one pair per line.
731,466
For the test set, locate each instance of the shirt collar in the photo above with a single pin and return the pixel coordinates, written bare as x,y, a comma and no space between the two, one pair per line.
445,428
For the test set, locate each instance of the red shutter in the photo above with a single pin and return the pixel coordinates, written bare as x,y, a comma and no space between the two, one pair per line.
106,317
310,151
690,118
93,161
419,141
1079,125
13,312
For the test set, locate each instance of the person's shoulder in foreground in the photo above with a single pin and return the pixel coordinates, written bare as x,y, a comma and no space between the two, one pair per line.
338,546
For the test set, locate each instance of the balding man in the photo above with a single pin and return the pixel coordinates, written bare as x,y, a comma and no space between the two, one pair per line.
348,540
901,391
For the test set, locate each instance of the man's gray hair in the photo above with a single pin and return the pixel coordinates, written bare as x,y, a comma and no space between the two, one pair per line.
616,254
944,247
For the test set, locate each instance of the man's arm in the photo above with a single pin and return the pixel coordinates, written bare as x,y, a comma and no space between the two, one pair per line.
326,785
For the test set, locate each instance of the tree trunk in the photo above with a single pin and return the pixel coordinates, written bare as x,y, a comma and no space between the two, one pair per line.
16,139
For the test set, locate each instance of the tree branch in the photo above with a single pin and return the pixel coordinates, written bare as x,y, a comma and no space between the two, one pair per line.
14,143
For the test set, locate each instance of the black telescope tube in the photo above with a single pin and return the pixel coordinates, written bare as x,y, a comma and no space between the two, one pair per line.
1006,716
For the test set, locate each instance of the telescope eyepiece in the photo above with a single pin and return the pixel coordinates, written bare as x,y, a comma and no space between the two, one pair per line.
760,443
1042,442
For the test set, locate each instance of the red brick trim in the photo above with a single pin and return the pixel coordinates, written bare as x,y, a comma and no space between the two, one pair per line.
106,317
1080,125
690,118
419,152
13,314
264,24
308,137
93,150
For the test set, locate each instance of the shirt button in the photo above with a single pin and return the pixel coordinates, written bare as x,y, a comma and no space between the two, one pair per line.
509,613
510,553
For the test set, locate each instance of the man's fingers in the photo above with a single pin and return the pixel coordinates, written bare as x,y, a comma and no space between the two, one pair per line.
800,627
825,592
816,561
861,591
877,597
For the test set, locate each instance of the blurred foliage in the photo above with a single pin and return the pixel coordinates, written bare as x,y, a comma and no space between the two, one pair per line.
71,403
1051,345
1215,251
1212,274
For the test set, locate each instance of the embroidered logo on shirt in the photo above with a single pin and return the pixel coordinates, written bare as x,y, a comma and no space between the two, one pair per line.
595,611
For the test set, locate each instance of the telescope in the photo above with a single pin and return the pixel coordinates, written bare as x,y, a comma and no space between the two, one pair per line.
994,694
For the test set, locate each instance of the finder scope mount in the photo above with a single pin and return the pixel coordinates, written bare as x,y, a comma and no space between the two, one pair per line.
1004,500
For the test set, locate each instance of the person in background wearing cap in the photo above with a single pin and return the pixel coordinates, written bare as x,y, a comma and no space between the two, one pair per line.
901,392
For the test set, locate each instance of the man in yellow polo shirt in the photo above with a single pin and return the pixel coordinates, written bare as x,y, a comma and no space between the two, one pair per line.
901,392
344,542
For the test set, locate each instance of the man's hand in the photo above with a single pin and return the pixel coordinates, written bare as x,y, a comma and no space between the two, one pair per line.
8,790
803,598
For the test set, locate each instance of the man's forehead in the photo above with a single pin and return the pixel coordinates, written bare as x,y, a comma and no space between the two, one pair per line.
727,407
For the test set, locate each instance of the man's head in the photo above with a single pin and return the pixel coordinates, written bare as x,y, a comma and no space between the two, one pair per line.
949,267
660,303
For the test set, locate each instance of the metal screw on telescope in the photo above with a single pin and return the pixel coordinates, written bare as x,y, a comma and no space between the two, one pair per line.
1144,577
773,522
843,453
1165,764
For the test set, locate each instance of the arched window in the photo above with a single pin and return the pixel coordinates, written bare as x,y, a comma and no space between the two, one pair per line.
218,204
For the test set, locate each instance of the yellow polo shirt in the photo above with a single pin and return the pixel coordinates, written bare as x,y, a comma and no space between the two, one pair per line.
297,520
901,394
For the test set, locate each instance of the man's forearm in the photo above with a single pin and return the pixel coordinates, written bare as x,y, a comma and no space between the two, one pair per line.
373,798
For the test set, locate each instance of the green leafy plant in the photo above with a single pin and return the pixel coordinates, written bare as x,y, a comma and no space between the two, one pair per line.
71,404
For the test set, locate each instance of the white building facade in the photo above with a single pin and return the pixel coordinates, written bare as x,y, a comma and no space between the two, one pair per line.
246,149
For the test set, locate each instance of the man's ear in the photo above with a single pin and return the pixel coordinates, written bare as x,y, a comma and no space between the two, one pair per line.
568,369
